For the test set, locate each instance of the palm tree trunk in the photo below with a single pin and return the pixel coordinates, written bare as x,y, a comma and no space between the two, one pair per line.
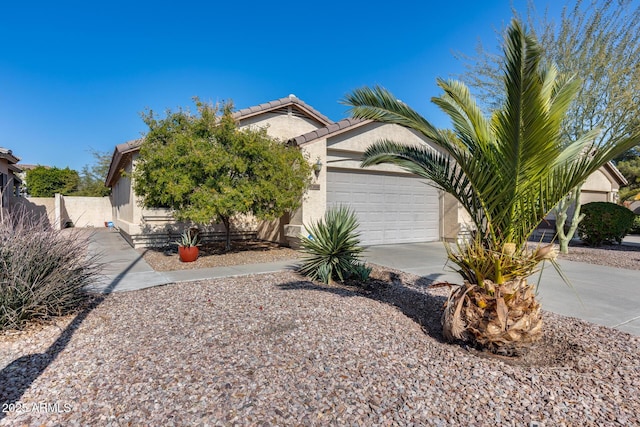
504,319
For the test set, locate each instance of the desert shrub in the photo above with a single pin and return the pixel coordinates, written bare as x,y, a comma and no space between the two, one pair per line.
42,271
361,272
332,247
604,223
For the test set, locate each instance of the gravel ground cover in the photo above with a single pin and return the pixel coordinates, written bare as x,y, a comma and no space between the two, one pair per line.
255,252
276,349
620,256
213,255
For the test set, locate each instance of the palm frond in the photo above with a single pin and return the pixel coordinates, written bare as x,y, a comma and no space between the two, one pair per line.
510,170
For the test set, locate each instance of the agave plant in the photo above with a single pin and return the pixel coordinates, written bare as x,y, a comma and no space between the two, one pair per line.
333,247
188,239
508,171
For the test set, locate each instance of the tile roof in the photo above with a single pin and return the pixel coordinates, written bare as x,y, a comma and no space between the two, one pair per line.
279,103
330,130
26,167
5,153
129,146
134,145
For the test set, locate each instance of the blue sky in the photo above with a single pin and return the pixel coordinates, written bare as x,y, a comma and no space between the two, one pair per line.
75,76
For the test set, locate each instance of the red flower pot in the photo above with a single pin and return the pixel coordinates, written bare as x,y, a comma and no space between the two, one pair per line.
188,254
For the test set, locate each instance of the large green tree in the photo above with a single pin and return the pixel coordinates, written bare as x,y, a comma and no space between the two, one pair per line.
208,170
599,42
508,171
630,168
43,181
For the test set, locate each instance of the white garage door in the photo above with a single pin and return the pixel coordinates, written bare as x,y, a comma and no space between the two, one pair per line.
390,208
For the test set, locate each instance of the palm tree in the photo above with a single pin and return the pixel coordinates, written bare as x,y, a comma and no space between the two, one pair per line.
508,171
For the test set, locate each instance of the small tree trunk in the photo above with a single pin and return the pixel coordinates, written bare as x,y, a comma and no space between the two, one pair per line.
227,226
561,218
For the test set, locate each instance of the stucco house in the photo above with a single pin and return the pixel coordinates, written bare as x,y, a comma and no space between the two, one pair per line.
392,206
9,179
603,185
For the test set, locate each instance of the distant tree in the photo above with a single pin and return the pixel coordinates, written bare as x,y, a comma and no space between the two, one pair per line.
92,177
46,182
631,170
599,42
208,170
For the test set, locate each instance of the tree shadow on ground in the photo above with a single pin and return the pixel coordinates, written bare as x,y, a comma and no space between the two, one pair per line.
412,298
20,374
422,300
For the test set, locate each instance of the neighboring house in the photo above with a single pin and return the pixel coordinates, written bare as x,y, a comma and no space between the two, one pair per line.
602,186
392,206
9,180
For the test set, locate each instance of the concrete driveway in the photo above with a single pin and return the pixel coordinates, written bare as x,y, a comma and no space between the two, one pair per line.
602,295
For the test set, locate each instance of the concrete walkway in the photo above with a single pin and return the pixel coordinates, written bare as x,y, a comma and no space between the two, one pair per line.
126,270
603,295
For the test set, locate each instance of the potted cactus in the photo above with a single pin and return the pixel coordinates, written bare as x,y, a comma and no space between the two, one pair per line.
188,246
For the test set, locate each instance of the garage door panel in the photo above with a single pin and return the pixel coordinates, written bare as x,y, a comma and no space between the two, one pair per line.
390,208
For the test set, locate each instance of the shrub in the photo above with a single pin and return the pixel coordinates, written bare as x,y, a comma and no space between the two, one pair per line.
42,271
361,272
635,228
604,223
333,247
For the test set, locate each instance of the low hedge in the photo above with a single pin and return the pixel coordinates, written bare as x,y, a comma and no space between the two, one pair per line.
604,223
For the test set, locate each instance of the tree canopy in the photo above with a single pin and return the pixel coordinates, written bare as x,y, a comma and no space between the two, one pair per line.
631,170
43,181
599,42
206,169
92,177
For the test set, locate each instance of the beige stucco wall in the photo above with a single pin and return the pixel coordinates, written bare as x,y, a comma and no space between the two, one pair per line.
88,211
44,206
123,200
344,151
81,211
282,126
600,186
314,201
4,200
